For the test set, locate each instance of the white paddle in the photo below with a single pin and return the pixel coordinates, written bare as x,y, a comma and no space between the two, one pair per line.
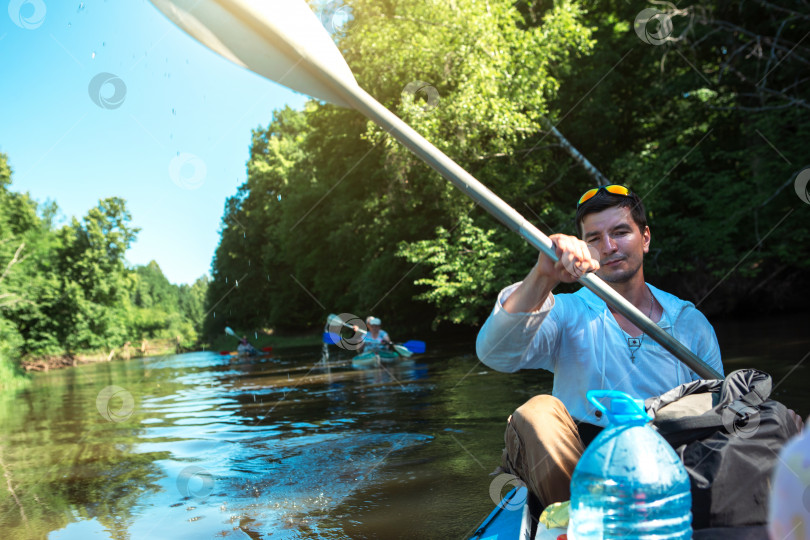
285,42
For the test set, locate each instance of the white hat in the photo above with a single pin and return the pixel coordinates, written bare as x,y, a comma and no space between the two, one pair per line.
374,321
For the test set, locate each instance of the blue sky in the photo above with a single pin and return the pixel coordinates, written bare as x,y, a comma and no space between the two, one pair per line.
174,145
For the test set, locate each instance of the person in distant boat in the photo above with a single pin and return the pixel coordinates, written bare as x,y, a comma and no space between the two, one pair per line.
376,339
583,341
245,348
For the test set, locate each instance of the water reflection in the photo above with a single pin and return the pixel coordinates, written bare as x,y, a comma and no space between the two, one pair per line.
286,447
215,446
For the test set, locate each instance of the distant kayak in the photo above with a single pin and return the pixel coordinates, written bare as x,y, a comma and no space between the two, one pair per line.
247,350
371,358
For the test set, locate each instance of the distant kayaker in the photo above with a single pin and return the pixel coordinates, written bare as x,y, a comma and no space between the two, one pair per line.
583,341
245,348
376,339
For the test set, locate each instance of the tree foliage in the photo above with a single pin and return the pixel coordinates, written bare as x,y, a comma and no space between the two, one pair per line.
330,197
68,289
706,123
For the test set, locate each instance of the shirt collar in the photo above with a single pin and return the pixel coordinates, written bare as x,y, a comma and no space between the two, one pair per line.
672,305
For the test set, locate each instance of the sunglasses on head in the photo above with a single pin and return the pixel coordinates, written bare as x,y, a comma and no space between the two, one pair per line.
615,189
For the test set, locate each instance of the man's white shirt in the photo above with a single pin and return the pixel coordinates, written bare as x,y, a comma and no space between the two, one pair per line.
576,337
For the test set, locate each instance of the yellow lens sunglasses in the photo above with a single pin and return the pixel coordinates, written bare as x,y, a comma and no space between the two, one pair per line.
615,189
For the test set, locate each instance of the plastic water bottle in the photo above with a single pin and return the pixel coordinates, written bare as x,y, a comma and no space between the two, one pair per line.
629,483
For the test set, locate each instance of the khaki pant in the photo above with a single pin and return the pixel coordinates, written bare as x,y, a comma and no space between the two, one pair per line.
542,448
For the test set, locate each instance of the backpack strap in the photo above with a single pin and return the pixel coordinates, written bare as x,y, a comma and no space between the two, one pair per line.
758,385
711,421
751,386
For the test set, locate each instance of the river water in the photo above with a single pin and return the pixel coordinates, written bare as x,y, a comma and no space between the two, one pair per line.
204,446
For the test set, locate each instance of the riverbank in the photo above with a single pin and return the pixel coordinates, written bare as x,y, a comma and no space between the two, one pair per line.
148,348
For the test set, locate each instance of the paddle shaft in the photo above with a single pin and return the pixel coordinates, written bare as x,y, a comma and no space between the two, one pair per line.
507,215
367,105
347,325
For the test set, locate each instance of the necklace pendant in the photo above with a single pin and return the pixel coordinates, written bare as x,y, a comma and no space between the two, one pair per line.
633,344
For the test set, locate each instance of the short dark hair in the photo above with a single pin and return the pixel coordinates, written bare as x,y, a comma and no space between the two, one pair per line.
604,200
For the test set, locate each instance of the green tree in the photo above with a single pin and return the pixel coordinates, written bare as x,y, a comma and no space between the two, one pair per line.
90,314
706,125
24,237
69,290
329,196
162,310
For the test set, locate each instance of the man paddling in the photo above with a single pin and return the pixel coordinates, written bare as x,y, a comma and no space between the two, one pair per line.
584,342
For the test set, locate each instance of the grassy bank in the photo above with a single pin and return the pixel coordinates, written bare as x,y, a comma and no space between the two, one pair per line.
11,376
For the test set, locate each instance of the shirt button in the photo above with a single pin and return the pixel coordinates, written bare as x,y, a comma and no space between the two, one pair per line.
598,414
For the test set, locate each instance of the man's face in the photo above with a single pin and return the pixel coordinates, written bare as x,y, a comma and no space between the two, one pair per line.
619,242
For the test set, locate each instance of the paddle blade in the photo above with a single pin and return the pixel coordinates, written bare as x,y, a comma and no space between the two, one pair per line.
415,346
267,349
230,332
402,351
330,338
280,40
225,353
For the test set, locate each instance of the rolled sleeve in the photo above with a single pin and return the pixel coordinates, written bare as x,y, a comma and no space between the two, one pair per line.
505,340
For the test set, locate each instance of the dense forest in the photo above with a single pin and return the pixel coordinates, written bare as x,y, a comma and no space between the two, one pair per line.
66,290
702,109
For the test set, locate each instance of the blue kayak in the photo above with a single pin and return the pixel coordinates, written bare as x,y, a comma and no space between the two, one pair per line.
511,519
373,358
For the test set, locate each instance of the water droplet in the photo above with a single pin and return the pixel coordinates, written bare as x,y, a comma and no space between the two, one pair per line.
81,7
93,56
69,25
174,113
103,44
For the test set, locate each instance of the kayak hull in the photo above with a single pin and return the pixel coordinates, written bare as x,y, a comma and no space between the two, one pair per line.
367,359
511,519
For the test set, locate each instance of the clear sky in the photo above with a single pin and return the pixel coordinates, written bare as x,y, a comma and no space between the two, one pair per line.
168,129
